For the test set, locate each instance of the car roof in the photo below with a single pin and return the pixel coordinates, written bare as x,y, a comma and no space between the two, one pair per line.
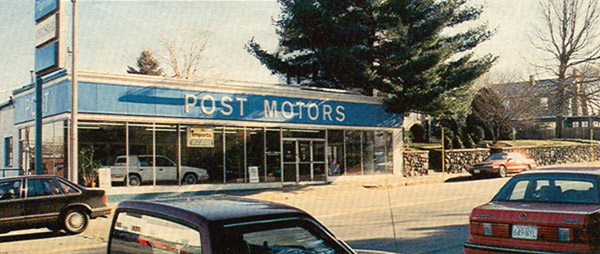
28,177
564,170
214,208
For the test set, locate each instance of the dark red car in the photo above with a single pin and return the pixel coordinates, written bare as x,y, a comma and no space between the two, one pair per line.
502,164
218,225
540,211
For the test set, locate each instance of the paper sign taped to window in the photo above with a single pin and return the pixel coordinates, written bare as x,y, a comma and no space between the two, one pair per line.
200,137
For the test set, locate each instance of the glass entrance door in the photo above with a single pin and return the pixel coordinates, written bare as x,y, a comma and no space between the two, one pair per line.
304,160
290,158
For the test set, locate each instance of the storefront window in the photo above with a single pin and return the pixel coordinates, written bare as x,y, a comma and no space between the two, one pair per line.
235,155
255,149
100,143
141,150
273,154
202,147
383,159
166,154
53,149
335,152
368,152
353,152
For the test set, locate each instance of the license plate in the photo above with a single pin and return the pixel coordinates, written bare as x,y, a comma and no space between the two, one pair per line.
524,232
476,171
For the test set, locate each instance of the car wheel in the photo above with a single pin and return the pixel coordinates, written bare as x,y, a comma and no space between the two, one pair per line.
75,221
190,179
502,171
134,180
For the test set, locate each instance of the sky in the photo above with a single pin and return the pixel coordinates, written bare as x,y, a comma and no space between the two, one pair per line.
112,34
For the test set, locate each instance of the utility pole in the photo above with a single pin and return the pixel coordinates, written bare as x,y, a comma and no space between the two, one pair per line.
73,176
443,154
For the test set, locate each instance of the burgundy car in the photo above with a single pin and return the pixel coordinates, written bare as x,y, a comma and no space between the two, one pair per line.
502,164
218,225
540,211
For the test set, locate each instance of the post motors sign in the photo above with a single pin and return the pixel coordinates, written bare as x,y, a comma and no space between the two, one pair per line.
50,33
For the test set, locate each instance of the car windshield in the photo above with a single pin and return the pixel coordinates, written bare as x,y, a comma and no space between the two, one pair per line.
551,188
496,156
289,236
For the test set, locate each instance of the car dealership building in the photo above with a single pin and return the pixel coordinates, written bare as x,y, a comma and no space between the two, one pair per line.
239,132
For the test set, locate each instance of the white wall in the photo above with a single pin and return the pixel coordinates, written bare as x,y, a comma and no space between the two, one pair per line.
8,129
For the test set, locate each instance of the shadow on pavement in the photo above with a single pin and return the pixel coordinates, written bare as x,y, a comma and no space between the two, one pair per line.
445,239
31,236
468,178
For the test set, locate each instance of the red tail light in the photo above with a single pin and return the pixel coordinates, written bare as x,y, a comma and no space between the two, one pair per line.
104,199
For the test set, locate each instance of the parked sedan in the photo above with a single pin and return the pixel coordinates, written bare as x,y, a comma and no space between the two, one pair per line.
540,211
218,225
502,164
48,201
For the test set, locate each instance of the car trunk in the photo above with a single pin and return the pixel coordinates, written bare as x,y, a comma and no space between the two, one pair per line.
539,226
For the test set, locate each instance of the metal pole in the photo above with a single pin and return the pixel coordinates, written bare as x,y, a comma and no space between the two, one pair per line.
38,125
443,153
73,176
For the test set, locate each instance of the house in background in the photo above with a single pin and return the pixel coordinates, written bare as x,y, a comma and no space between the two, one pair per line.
533,104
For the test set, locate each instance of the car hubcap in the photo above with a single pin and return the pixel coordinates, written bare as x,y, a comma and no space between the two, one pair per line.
76,221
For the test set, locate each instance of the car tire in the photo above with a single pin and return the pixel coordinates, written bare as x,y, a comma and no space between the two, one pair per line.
75,221
189,179
134,180
502,171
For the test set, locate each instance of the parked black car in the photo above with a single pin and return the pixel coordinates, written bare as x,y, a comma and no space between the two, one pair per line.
218,225
48,201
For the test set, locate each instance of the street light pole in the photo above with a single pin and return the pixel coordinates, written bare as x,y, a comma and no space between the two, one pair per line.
73,176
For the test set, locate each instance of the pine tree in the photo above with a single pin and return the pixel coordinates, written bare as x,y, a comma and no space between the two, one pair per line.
395,46
147,65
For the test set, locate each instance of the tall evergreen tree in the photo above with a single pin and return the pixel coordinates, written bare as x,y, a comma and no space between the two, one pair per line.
147,65
400,47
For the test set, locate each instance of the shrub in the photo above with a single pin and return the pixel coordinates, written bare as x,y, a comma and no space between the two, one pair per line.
418,133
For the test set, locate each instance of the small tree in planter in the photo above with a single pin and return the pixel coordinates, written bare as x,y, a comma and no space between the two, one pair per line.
88,166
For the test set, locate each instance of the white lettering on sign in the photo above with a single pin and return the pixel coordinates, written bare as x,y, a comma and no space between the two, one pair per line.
241,100
30,104
203,105
288,109
270,109
225,104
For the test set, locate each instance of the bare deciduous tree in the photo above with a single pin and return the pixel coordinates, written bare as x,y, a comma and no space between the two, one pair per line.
184,50
502,101
570,36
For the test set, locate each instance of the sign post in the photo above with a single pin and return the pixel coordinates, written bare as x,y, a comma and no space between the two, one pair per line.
49,50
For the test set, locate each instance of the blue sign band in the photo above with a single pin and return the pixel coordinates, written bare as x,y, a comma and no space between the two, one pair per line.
114,99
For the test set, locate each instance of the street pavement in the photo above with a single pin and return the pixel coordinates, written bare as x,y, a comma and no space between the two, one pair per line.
428,214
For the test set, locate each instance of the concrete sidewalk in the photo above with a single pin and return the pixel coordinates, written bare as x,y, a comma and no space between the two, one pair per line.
117,194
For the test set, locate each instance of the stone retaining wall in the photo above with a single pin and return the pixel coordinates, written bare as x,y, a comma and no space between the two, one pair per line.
416,163
459,160
554,155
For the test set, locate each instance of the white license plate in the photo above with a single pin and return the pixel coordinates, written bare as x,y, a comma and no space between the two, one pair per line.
476,171
524,232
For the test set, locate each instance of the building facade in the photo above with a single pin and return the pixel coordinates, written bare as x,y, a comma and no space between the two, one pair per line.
238,132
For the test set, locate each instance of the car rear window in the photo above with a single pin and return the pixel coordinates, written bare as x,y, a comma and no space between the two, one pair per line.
551,188
140,233
281,236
